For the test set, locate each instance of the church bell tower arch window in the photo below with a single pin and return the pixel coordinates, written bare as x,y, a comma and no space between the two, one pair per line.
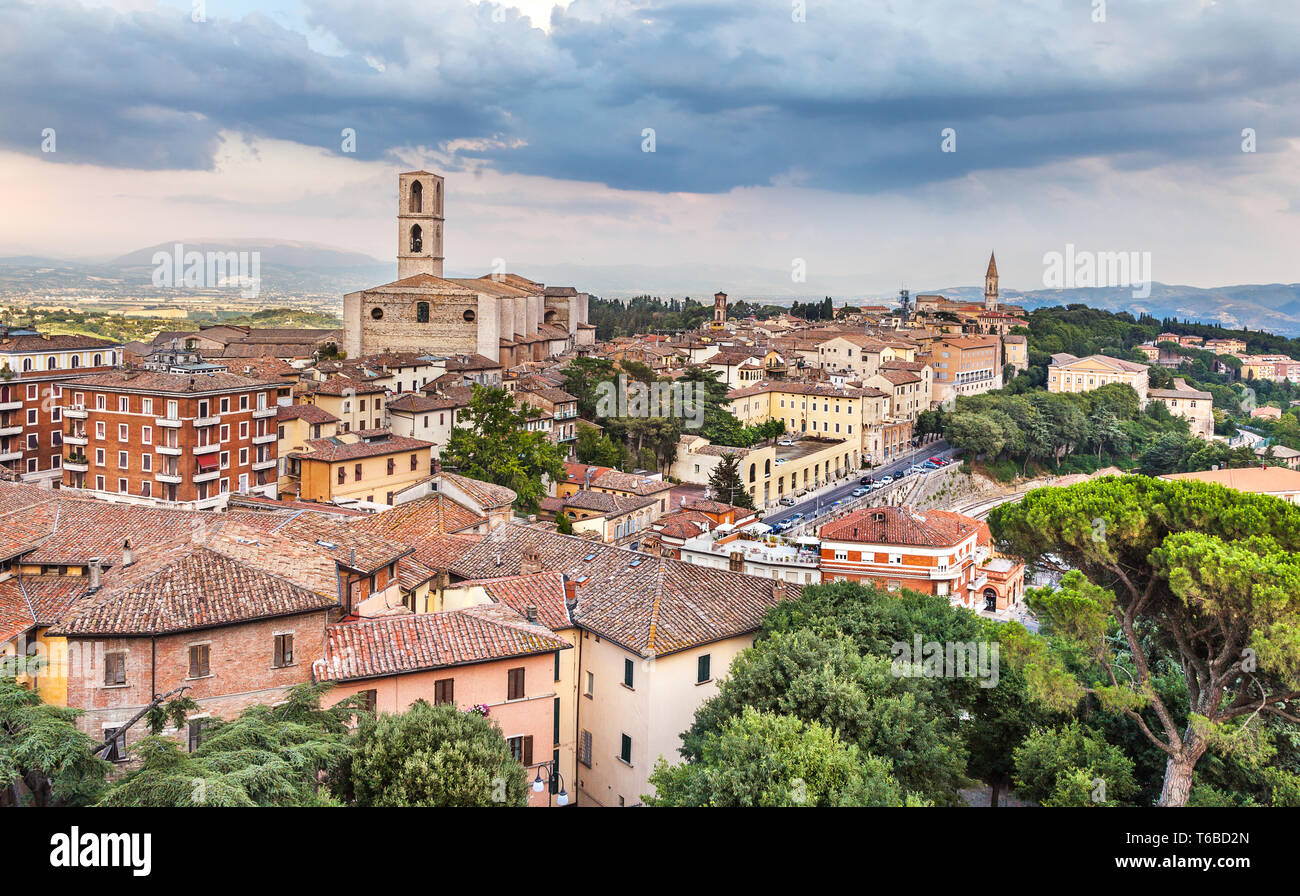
417,197
417,238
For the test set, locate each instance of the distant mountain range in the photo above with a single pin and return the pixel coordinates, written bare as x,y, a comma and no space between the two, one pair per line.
292,267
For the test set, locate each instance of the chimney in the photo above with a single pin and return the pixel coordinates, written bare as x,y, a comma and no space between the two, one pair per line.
736,561
531,562
530,613
95,572
778,590
128,557
497,558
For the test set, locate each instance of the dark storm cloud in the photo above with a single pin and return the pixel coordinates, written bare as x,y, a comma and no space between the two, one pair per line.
854,99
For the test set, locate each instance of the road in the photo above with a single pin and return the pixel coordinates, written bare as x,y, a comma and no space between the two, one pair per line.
825,499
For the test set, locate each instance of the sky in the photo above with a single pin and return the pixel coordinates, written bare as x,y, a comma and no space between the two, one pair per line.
786,133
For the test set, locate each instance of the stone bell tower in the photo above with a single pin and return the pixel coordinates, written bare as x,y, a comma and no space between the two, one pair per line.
719,310
419,224
991,285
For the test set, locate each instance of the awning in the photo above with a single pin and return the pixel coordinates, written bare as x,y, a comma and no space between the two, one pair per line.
208,462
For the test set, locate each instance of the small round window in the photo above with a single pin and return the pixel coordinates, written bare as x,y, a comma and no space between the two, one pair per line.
469,315
377,313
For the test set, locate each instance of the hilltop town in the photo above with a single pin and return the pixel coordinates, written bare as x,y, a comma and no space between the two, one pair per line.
465,496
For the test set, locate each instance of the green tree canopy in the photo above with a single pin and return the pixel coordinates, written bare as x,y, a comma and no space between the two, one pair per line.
434,755
495,445
1202,574
764,759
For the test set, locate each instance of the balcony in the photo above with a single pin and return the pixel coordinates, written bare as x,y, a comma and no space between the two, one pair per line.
206,477
76,463
72,412
207,421
264,440
264,464
259,413
208,448
169,450
168,422
170,478
14,430
70,438
978,582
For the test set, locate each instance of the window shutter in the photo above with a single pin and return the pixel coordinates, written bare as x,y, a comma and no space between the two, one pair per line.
585,751
279,650
528,750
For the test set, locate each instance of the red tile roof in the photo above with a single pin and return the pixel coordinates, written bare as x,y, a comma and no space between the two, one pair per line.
898,526
392,645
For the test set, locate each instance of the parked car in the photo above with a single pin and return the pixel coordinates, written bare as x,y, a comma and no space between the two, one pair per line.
931,465
939,461
886,480
786,443
859,492
916,468
865,480
787,501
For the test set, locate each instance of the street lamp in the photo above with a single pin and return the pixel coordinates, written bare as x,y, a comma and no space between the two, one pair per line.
553,776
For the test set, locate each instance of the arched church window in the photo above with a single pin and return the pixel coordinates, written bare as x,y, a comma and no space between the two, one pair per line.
437,196
422,312
417,238
417,197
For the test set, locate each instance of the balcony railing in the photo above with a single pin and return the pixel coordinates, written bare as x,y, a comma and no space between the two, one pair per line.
74,412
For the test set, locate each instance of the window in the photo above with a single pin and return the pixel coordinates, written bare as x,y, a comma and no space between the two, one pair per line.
146,435
444,691
369,699
522,749
702,669
625,749
114,669
283,650
392,467
557,665
196,727
356,472
415,461
591,684
421,312
199,655
121,460
584,749
117,746
627,673
343,475
515,684
225,405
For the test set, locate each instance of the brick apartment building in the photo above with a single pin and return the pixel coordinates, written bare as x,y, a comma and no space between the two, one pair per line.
186,440
965,365
933,552
32,366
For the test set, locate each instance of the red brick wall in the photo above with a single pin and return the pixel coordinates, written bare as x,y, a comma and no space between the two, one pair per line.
240,658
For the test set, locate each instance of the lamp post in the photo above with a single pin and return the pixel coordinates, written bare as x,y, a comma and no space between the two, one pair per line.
553,776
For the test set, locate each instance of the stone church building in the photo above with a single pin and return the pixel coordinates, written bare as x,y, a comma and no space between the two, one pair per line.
504,317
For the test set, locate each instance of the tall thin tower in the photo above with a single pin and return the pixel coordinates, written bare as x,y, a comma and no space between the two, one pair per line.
991,285
419,224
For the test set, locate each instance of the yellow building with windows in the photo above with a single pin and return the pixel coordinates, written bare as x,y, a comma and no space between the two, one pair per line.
1068,373
369,466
